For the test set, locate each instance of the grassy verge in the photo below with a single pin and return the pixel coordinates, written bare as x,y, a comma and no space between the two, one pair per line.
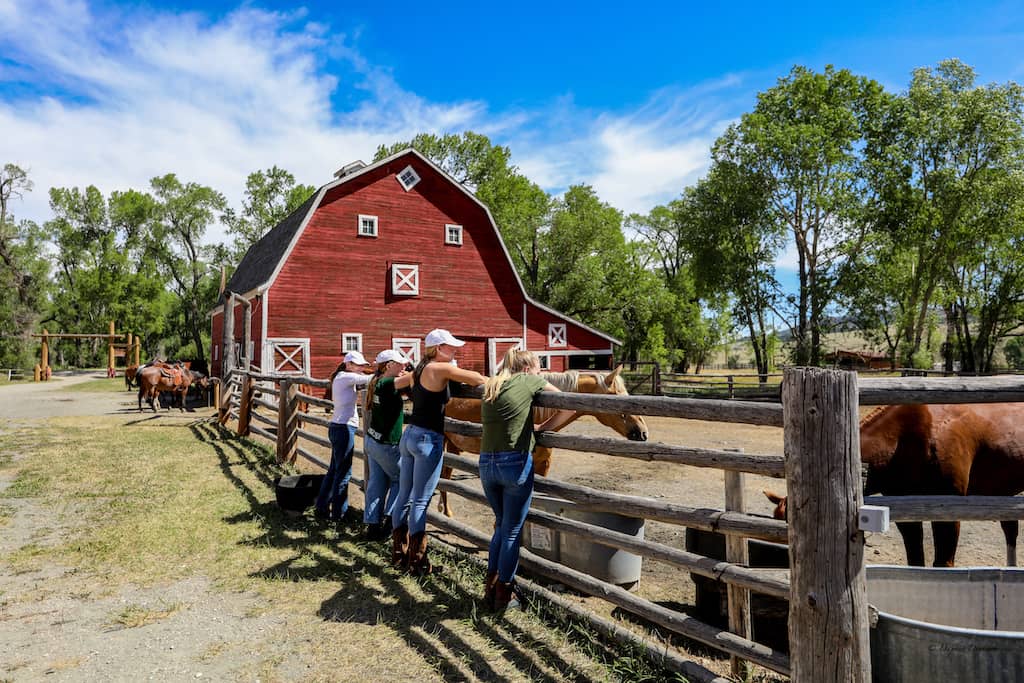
150,501
101,385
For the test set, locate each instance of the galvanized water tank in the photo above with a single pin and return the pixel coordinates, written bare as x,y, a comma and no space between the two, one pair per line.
947,624
608,564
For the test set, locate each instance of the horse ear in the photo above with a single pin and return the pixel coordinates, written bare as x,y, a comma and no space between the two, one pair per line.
773,497
609,379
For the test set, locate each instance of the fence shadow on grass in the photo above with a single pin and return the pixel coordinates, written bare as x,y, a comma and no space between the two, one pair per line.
370,591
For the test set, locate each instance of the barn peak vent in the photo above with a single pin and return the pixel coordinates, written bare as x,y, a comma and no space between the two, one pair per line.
348,169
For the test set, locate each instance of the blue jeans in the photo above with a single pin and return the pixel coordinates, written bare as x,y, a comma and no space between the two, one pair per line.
422,455
333,498
383,480
507,479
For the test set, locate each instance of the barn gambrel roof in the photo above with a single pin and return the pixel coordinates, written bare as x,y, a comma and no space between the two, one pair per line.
260,265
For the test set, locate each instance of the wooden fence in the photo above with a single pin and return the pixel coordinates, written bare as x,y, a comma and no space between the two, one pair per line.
826,589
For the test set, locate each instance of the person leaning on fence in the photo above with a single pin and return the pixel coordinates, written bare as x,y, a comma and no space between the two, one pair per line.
332,502
506,465
383,417
422,448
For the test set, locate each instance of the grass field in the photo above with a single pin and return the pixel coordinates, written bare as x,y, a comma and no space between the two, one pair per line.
146,503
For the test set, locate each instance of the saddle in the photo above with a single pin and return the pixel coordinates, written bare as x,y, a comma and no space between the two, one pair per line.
174,374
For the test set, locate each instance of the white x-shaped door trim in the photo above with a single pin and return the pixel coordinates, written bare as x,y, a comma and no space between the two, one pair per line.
557,335
405,279
293,352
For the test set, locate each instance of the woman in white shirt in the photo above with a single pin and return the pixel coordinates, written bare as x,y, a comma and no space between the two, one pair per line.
332,502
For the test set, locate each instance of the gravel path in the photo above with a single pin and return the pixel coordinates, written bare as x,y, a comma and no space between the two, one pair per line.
26,400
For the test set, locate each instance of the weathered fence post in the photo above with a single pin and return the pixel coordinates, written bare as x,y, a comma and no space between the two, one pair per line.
287,422
736,553
246,333
227,337
828,610
245,405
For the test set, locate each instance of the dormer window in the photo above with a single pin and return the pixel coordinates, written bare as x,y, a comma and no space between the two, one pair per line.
408,177
453,234
367,226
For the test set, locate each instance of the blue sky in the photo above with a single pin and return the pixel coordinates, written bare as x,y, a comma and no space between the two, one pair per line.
627,98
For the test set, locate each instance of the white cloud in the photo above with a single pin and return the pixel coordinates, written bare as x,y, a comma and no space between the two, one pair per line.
118,98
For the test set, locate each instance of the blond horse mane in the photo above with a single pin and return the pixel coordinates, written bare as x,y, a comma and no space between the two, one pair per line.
873,416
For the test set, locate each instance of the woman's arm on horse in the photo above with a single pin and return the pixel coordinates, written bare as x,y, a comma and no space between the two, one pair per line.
559,419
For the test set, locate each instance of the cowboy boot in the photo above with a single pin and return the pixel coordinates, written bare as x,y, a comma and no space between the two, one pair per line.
400,547
505,596
490,583
419,563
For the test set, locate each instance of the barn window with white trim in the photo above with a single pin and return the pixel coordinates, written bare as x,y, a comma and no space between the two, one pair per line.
405,279
557,335
453,234
367,226
408,177
351,341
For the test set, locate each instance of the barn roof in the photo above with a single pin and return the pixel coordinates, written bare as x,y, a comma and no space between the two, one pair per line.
264,259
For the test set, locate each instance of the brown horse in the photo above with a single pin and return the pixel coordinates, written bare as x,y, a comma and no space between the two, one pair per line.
160,377
942,450
129,375
632,427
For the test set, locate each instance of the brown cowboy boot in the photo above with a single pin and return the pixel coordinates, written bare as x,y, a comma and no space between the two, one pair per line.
505,597
490,583
400,547
419,563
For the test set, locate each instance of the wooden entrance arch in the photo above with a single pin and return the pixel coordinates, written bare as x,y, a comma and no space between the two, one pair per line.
114,349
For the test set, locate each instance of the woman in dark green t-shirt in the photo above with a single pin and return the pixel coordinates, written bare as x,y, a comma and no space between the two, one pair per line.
506,464
383,420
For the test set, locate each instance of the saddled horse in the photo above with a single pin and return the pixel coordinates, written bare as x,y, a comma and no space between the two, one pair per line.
129,376
160,377
630,426
975,450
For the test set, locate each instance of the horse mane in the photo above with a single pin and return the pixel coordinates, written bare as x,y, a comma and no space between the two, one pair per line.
873,416
565,381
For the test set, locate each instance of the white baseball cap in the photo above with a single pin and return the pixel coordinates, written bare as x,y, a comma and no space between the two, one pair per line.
437,337
355,357
388,355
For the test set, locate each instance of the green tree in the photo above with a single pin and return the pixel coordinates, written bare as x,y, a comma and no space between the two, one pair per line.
182,214
933,158
801,144
23,272
270,196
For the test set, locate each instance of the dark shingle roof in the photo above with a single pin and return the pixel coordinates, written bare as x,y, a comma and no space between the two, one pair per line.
262,259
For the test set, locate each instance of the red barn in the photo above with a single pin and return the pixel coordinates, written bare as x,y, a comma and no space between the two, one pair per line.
379,257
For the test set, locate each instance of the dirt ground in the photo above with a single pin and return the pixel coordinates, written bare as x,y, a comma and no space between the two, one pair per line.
31,634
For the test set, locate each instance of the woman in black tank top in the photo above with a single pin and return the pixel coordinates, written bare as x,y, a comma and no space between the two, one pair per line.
422,448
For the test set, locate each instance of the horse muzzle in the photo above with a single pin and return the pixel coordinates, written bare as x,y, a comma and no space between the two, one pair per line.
637,435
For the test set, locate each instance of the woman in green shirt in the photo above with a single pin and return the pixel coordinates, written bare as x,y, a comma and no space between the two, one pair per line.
383,431
506,464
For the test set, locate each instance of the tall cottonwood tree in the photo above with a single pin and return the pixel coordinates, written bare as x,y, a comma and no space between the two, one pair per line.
270,195
802,145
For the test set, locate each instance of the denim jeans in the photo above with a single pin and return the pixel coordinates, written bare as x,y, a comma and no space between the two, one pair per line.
422,455
333,498
507,479
383,480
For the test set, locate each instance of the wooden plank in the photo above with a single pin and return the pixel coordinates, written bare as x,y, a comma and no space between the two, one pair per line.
951,508
245,406
287,423
900,390
676,622
310,457
315,438
262,432
314,401
259,417
313,419
828,609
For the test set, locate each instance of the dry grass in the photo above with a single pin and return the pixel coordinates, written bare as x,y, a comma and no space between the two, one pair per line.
148,501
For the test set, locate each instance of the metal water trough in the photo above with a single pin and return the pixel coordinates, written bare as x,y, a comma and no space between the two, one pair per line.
947,624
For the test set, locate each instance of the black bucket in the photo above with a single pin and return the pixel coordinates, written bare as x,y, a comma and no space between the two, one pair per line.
296,493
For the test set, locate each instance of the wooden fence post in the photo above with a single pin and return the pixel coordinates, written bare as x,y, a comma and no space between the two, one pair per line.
287,422
216,393
224,407
227,337
828,609
245,405
44,356
736,553
246,333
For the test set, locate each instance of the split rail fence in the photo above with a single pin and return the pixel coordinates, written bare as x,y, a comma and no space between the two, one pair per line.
826,588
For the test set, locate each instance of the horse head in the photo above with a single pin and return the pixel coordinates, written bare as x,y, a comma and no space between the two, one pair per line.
628,425
781,510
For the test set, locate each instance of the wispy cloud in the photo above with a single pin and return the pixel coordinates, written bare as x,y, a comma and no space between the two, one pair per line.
93,95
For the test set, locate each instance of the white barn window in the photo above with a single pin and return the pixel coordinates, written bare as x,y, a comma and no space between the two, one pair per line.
408,177
351,341
367,226
405,279
557,335
453,234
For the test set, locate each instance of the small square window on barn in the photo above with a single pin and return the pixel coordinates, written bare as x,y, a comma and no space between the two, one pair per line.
453,234
545,361
351,341
367,226
408,177
556,335
405,279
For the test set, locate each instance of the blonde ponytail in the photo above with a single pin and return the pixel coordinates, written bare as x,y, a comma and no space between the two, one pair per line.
515,361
